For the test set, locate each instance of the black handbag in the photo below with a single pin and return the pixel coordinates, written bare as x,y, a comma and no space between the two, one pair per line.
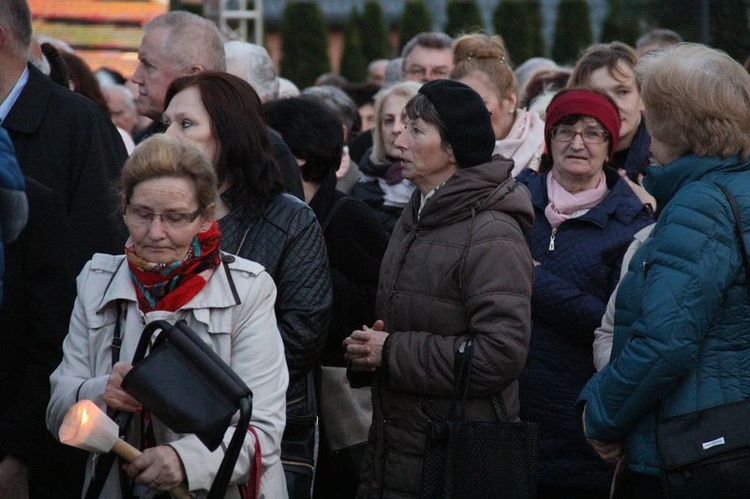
478,459
707,453
191,390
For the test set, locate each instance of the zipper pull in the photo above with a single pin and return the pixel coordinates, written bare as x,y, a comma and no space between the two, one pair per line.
552,239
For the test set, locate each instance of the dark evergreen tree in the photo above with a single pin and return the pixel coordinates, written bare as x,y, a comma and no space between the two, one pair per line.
463,17
373,32
414,19
353,60
730,28
304,43
572,31
681,16
621,24
519,22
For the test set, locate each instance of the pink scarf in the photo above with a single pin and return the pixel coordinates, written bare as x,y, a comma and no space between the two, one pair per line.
524,143
563,205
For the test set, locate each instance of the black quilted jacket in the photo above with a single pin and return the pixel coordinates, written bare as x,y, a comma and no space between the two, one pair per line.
286,239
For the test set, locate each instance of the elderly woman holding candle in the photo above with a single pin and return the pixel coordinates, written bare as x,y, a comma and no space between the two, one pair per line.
173,269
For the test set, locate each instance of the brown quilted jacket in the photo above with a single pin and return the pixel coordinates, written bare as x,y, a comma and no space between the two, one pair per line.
463,267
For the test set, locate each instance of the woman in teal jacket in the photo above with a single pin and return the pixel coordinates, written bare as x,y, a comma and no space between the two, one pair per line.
682,321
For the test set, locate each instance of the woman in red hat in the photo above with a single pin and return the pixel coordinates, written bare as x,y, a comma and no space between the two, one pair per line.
585,218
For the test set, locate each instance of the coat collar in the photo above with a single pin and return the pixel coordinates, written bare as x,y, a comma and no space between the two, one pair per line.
663,182
28,112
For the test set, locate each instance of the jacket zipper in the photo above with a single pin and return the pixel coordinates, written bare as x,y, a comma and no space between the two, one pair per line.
552,239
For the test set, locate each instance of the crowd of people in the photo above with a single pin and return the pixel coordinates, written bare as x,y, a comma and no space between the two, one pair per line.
337,245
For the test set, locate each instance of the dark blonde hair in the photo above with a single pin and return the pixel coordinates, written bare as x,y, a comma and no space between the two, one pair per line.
164,156
486,55
697,100
602,55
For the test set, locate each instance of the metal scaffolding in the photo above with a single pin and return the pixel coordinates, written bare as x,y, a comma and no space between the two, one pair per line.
232,18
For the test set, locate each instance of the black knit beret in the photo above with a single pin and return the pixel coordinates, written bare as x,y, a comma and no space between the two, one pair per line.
466,119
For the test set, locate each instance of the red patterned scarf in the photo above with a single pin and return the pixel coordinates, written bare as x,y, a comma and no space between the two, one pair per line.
168,286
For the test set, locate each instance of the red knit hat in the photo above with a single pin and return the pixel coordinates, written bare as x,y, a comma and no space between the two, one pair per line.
586,103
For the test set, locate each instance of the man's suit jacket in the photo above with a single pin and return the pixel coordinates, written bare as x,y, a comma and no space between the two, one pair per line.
67,143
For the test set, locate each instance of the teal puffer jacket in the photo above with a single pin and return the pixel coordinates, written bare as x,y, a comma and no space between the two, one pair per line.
682,321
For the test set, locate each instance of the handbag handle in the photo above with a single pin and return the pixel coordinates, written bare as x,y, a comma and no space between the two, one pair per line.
738,227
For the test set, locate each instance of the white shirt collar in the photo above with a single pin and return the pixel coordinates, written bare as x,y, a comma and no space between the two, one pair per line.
12,97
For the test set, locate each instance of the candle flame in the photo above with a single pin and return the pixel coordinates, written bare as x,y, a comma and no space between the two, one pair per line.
84,416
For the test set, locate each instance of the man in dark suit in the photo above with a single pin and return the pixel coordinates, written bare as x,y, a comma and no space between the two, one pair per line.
61,139
67,144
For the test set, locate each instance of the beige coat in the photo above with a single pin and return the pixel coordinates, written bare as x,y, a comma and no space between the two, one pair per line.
245,336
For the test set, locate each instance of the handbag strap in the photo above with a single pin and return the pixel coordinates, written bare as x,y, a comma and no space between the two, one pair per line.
333,211
462,373
738,227
105,461
251,489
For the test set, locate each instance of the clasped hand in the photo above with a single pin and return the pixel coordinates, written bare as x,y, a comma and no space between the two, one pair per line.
364,347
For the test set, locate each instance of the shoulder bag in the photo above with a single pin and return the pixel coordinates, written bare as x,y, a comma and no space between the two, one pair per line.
473,459
707,453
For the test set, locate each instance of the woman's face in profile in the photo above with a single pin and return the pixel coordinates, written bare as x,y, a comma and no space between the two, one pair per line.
162,220
187,120
391,122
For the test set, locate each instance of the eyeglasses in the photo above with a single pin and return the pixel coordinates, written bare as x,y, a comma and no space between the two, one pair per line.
142,217
420,72
590,135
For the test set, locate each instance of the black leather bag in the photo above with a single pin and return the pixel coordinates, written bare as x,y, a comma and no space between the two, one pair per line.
191,390
707,453
493,459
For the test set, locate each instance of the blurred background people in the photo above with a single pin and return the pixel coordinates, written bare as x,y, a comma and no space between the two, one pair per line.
482,62
222,115
427,56
682,309
252,63
376,72
655,39
355,241
382,186
338,101
456,267
122,110
83,81
610,69
585,218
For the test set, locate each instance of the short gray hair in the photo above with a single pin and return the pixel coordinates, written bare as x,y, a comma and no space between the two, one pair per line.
191,39
428,39
253,64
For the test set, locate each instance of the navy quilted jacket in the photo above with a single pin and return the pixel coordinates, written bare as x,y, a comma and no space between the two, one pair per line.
682,321
571,287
